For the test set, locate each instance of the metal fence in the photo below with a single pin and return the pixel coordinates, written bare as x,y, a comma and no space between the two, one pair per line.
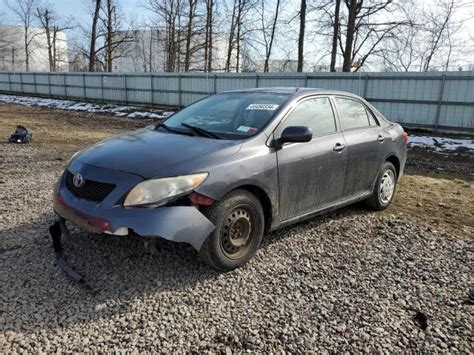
439,101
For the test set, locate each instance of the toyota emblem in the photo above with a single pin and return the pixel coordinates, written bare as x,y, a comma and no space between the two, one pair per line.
78,180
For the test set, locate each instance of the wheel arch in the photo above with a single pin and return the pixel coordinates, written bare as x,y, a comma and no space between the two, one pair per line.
264,199
392,158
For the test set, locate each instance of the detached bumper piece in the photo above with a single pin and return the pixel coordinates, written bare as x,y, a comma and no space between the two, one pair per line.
57,230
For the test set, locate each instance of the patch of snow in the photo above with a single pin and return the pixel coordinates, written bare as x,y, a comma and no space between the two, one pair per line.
119,111
440,144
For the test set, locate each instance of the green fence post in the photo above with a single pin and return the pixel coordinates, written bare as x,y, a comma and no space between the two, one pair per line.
152,88
102,87
440,101
126,88
21,83
179,91
34,83
65,85
366,83
49,84
84,93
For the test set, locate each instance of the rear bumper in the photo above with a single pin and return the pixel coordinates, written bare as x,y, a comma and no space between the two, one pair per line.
175,223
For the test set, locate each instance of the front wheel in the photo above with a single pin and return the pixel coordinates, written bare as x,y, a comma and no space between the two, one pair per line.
384,189
240,223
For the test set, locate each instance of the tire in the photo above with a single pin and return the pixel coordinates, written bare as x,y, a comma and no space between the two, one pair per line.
381,199
240,224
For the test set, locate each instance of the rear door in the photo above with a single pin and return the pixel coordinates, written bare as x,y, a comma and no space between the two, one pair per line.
363,137
311,174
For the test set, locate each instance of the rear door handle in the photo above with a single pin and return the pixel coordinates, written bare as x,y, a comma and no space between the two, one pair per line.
338,147
380,138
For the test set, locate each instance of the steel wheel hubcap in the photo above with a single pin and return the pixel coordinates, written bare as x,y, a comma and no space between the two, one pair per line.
236,231
387,186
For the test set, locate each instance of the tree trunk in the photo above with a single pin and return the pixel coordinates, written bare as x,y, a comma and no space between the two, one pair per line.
231,38
27,50
189,34
301,36
239,29
208,44
94,36
272,36
351,22
335,36
54,54
109,39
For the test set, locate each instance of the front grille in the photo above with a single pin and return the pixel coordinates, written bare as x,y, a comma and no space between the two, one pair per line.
91,190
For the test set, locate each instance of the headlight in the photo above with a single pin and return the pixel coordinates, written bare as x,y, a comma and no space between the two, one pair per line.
157,191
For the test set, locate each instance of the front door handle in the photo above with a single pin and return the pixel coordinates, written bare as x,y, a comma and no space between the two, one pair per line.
380,138
338,147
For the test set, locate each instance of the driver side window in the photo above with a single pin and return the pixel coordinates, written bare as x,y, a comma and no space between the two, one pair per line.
315,113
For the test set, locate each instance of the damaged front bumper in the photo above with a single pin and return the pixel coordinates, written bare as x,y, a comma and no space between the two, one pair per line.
175,223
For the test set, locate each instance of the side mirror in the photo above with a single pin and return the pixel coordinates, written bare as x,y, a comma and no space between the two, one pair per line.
295,134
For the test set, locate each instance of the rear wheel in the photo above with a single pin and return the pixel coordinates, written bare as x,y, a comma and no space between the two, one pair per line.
384,189
240,223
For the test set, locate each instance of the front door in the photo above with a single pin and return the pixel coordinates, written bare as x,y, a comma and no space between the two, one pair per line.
311,174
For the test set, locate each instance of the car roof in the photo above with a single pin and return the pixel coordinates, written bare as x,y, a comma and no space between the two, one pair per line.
293,91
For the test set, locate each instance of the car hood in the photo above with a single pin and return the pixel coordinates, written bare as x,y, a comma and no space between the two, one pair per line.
150,153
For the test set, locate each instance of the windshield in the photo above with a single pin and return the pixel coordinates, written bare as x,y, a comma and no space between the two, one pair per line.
227,116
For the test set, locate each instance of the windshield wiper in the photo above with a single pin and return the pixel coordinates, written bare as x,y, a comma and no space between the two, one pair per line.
201,131
169,129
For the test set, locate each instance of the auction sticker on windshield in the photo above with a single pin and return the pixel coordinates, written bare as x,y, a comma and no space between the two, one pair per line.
264,107
246,129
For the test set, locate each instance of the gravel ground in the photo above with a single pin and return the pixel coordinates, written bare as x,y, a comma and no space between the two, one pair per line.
350,281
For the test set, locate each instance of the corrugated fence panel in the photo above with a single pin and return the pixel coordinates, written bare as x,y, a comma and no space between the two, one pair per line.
139,89
93,87
75,89
57,85
460,117
28,80
42,83
432,100
240,82
16,85
114,88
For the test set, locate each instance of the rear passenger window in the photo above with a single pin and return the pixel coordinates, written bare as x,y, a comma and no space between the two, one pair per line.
354,114
314,113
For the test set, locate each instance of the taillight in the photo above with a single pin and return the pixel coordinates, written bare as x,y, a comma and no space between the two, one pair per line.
405,136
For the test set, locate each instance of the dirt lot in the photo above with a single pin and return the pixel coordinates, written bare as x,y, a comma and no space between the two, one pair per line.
349,281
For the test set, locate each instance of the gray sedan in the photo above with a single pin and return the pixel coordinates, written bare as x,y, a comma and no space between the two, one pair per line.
226,169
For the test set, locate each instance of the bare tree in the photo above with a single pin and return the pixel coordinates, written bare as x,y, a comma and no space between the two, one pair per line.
302,16
269,32
208,45
168,16
24,11
434,38
366,27
230,41
192,4
111,36
335,36
437,26
93,36
52,27
237,33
